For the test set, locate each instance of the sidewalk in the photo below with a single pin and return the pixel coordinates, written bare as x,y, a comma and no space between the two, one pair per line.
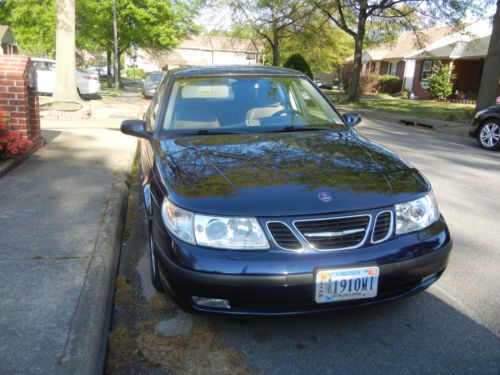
61,223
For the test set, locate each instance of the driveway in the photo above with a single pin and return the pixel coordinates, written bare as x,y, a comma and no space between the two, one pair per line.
452,328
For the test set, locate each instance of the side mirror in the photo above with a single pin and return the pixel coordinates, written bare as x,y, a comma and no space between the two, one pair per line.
352,118
135,128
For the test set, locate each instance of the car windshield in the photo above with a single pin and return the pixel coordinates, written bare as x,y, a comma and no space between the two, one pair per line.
154,77
208,105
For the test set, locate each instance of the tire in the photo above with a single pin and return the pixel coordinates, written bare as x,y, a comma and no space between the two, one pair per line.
488,135
153,260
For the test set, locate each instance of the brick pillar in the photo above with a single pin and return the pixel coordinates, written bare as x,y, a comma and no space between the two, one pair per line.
19,96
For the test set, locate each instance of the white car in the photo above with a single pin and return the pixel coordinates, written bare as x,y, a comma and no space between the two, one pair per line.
86,82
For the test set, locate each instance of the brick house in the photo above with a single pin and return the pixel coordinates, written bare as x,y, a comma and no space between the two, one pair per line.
8,43
464,52
390,58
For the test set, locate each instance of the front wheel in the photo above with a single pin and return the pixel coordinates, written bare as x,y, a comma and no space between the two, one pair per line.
155,269
488,135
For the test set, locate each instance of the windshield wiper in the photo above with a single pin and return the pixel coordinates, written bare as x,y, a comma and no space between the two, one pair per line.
293,128
214,131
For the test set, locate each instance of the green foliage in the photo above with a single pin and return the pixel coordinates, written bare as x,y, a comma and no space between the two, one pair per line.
134,72
150,24
33,23
297,62
441,81
323,45
389,84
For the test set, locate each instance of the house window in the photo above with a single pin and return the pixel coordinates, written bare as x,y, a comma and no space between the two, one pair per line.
393,68
426,69
250,56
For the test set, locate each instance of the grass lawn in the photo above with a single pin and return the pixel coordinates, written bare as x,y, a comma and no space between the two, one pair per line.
109,92
411,108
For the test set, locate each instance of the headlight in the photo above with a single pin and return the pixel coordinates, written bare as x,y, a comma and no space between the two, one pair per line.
417,214
235,233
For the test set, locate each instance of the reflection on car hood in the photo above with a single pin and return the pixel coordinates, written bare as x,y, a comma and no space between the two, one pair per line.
283,173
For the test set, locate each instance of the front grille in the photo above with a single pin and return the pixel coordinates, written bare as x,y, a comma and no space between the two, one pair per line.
383,226
283,236
335,233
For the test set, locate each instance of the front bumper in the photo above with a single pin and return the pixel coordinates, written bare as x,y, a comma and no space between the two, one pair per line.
283,283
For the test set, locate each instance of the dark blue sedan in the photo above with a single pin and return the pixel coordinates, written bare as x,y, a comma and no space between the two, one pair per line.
263,200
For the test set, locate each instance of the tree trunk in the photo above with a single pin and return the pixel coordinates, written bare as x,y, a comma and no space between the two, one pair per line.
65,85
276,49
109,63
357,64
491,71
116,64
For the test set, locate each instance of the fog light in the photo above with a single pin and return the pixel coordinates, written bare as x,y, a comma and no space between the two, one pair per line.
211,302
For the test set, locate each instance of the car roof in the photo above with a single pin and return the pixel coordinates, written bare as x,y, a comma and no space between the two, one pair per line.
42,59
229,70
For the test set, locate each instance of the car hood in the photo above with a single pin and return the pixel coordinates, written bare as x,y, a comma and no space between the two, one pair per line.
277,174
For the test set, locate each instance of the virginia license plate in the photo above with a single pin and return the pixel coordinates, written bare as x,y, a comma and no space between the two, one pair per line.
346,284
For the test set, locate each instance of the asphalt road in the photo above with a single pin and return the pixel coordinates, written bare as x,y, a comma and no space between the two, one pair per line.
452,328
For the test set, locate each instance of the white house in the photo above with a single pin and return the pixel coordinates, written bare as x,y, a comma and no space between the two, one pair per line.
8,43
199,50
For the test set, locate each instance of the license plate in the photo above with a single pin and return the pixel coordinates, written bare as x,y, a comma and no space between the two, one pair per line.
346,284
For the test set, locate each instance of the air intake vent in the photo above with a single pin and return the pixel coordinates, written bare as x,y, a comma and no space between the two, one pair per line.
383,227
335,233
283,236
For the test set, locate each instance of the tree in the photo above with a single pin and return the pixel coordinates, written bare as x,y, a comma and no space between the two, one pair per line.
323,45
271,20
34,24
150,24
491,70
297,62
441,81
65,85
355,17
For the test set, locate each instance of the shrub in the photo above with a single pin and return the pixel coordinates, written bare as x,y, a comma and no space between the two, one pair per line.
390,84
441,81
129,73
368,83
11,142
297,62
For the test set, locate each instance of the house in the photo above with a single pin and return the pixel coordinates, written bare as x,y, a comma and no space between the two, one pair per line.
390,58
464,52
8,43
199,50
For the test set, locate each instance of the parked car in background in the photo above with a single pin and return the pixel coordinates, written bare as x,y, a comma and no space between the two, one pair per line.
485,127
87,83
150,83
262,199
321,85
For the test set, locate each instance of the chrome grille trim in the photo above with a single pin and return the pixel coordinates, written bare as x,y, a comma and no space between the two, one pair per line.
391,226
361,243
291,231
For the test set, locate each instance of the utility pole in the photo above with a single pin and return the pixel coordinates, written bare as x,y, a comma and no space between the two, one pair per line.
115,42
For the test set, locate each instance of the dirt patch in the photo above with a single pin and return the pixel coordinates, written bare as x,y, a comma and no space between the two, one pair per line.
200,352
121,347
62,106
160,302
123,291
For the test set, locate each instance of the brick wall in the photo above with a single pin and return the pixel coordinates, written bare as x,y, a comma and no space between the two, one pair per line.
19,96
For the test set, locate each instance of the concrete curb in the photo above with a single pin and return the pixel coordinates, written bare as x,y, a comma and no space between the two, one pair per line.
85,349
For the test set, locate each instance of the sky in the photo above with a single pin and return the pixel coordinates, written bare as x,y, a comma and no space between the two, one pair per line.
210,19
